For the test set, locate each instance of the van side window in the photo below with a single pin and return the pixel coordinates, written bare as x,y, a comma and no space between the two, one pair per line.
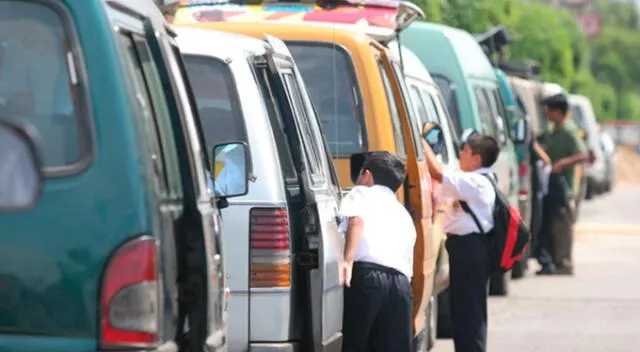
39,84
499,112
160,109
217,100
414,122
420,107
439,118
312,153
449,95
335,94
149,118
486,115
277,125
393,111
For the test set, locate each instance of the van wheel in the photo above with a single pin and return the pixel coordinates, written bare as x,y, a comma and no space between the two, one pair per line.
499,284
432,322
444,326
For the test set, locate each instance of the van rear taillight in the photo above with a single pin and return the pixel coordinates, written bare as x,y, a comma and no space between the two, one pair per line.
270,248
523,169
130,297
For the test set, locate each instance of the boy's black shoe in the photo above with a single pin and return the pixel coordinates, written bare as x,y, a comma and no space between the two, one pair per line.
546,270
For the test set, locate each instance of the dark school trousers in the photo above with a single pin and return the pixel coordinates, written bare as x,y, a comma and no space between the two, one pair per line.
469,269
377,310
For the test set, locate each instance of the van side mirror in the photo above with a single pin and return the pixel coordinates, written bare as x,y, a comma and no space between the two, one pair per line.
502,139
21,178
230,169
521,131
433,135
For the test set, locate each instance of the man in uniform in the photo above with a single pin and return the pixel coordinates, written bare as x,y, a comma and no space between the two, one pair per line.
566,150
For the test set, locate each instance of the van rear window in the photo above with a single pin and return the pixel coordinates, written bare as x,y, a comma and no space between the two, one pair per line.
36,86
329,75
217,100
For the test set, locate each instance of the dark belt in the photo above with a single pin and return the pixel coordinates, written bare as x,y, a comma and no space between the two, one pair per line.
377,267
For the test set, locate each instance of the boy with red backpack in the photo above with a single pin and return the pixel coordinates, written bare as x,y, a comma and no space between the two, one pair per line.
484,234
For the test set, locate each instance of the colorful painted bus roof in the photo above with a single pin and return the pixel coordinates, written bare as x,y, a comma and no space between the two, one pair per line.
381,19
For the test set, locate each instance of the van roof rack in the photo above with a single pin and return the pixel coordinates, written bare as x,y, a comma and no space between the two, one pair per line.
494,41
389,18
523,68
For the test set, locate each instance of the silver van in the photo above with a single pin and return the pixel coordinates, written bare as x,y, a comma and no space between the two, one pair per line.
283,247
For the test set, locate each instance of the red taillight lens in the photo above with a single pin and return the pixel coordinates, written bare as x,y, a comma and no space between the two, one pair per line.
270,248
130,296
523,169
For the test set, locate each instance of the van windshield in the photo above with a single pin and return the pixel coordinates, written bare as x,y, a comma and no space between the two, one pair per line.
329,75
217,100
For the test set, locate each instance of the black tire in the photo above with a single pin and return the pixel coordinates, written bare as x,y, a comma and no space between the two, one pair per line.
432,322
499,284
445,327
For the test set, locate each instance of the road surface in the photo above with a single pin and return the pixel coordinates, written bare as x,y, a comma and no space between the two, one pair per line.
598,309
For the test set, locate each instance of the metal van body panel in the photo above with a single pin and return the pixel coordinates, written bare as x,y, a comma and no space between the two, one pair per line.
416,75
52,304
364,54
257,315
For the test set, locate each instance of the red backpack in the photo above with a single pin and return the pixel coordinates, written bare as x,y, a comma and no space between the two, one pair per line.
509,236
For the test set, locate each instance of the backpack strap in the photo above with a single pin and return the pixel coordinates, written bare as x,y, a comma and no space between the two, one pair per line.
465,206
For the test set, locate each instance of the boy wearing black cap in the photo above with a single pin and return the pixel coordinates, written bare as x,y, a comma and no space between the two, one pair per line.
566,150
378,266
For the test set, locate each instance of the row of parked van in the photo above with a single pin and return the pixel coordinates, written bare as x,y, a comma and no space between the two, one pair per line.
187,178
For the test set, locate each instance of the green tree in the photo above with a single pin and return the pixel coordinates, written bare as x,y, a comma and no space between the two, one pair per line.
542,35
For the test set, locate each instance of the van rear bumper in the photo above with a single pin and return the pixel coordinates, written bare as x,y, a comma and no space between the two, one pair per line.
275,347
333,344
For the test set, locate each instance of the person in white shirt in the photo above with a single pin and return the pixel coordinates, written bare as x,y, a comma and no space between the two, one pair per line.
467,246
380,236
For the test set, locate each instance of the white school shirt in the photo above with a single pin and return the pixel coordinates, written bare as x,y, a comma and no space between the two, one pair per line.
477,191
388,235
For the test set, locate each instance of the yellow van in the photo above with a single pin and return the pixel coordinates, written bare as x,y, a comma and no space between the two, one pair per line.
358,90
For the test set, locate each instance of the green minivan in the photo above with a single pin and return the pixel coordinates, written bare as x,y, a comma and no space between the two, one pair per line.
111,236
472,93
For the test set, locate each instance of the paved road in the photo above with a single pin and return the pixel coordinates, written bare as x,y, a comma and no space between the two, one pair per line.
598,309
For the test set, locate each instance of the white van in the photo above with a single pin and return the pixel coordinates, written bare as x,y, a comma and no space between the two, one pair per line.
584,117
283,247
428,104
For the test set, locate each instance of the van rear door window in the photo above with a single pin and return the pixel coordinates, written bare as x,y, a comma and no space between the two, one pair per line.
39,85
217,100
330,77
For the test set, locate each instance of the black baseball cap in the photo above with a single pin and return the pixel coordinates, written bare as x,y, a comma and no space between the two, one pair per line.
556,100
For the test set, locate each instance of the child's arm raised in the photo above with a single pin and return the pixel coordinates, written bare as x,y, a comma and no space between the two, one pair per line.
435,168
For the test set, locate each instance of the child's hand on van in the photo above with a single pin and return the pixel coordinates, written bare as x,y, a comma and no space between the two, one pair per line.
346,269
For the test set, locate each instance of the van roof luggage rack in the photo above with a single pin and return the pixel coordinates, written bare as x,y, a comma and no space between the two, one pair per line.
494,42
380,19
523,68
